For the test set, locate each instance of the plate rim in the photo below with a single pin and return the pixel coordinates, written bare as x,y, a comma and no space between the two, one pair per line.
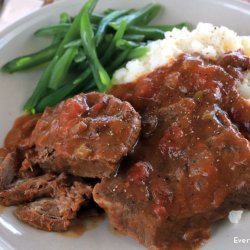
52,7
64,3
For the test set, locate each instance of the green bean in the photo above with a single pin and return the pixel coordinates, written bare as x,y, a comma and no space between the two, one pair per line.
90,87
118,35
154,32
171,27
65,18
149,32
55,97
126,55
54,30
101,77
115,37
73,31
101,48
119,61
66,58
134,37
81,67
61,93
63,27
61,68
124,44
80,57
142,16
137,53
59,29
108,38
105,22
74,43
82,77
153,11
100,51
41,87
31,60
96,18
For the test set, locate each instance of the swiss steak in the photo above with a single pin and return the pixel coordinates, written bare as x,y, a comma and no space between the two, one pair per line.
86,135
46,156
55,214
191,165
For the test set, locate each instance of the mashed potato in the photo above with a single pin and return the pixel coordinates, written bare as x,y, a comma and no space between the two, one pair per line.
208,40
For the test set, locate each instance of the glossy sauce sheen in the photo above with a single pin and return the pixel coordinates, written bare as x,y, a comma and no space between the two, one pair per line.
191,161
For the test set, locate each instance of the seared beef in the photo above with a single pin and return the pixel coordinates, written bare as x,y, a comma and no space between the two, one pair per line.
27,190
56,214
191,165
86,135
8,170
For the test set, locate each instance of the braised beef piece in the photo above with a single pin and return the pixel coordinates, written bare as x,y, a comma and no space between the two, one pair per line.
8,170
191,165
86,135
27,190
16,142
56,214
16,164
27,170
48,202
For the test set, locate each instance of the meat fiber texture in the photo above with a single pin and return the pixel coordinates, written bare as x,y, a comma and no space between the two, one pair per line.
87,135
47,202
55,214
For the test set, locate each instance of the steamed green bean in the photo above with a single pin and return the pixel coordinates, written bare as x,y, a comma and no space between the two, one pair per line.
41,87
87,49
105,23
101,76
31,60
61,68
150,33
60,29
142,16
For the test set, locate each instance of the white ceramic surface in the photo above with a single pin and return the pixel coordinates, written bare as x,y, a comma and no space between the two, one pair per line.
14,90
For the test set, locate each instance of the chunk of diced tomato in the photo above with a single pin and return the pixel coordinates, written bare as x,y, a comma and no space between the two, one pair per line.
172,140
139,171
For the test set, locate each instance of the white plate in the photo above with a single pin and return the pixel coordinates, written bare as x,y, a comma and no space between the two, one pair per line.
14,90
